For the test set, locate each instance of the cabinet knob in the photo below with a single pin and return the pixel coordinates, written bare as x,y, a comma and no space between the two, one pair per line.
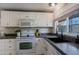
10,41
7,23
10,53
46,49
10,46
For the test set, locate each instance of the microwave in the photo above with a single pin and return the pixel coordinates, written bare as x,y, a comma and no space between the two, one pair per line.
26,23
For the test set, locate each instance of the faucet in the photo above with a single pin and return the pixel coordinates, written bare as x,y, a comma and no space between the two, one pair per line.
61,34
77,36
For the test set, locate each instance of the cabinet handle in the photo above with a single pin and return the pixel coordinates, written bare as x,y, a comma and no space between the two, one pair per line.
10,46
46,49
18,24
10,53
10,41
7,23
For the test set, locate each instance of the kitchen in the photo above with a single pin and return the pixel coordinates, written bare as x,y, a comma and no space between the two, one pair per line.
39,29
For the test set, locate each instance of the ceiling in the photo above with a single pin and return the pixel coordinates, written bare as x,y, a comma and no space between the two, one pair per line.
26,6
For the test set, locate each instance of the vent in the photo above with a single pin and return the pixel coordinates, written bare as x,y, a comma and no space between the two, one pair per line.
25,24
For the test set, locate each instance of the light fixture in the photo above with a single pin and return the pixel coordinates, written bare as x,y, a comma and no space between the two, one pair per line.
52,4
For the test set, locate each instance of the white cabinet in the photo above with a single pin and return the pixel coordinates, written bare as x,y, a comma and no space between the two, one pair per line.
44,47
44,20
14,19
51,50
37,19
4,18
7,46
10,19
40,46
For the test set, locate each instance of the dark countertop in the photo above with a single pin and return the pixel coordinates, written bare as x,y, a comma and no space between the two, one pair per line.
7,37
49,36
66,48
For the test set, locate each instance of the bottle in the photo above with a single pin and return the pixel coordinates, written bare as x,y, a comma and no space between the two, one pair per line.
37,34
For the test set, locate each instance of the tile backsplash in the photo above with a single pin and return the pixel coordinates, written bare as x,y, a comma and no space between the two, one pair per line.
33,29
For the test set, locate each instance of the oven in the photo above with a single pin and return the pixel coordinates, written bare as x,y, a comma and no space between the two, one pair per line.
25,46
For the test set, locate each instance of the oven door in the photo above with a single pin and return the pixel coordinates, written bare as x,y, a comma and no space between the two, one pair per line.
24,46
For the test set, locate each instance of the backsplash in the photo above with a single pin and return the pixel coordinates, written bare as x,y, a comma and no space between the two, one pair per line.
33,29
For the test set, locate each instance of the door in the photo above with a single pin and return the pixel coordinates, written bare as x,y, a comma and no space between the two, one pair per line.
14,19
7,46
40,46
5,18
24,46
50,19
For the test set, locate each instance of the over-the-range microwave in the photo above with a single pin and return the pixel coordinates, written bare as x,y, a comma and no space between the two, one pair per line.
26,23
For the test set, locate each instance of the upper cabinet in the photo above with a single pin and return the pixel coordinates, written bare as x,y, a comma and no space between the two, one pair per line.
10,19
65,9
44,20
26,19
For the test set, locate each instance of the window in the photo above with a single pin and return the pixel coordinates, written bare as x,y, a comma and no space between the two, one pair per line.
74,24
63,25
70,24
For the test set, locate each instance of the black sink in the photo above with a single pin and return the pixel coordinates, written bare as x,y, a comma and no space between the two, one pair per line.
57,40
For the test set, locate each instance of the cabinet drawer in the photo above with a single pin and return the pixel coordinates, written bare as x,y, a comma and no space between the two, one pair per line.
7,44
7,47
7,52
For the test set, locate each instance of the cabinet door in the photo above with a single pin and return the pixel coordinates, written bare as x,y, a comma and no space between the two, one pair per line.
7,46
14,18
42,22
44,19
10,18
51,50
7,52
4,18
50,19
40,46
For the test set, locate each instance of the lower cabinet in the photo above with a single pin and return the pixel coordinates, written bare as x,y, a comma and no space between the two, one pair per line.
40,46
43,47
7,47
50,50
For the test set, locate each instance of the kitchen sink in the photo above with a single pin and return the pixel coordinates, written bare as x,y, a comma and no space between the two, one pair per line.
57,40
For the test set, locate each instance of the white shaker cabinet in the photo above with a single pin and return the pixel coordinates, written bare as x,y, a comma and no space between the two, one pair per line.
10,19
44,19
4,18
51,50
7,47
37,19
14,19
40,46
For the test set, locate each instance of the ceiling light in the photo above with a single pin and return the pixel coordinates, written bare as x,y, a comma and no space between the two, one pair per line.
52,4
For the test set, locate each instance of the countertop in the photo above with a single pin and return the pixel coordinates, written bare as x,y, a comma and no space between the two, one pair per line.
49,36
7,37
66,48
